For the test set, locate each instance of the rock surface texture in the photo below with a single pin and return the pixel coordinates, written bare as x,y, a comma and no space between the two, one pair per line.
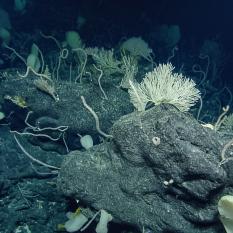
159,172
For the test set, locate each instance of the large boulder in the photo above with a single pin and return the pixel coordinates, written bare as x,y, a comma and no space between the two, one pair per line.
159,172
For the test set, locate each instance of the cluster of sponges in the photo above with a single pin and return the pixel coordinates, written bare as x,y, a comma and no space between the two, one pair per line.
77,221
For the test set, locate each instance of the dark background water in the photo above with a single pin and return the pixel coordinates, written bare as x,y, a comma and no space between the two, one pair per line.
107,22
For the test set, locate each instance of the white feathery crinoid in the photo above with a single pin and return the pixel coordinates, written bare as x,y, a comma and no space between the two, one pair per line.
162,85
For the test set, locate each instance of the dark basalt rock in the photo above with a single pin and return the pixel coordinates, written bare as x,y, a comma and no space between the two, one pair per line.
161,172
